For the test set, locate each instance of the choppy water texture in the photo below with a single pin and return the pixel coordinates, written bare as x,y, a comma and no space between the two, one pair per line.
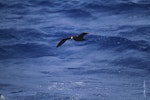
112,64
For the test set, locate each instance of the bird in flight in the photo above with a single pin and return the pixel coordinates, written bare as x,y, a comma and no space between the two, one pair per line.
76,38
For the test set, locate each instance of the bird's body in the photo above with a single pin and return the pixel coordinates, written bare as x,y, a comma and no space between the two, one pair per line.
76,38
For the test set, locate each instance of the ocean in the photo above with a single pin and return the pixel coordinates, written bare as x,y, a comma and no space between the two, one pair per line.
113,63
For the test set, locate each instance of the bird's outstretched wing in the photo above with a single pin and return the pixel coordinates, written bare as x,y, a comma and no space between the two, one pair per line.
62,41
82,35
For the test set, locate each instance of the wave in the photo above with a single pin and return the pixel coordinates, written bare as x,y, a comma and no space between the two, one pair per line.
99,71
119,8
141,32
119,43
25,33
79,9
44,96
76,13
133,62
28,50
2,5
7,34
45,3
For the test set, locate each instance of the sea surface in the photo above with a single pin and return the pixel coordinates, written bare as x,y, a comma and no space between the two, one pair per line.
113,63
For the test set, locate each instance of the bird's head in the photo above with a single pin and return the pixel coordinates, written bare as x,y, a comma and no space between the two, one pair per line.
71,38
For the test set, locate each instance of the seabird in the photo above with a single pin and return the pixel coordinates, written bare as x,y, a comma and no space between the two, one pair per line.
76,38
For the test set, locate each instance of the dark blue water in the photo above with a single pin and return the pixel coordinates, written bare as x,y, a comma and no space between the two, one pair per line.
112,64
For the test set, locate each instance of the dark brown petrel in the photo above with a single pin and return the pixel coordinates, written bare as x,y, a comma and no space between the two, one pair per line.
76,38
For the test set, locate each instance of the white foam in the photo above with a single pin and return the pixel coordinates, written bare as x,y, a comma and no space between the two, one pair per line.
144,87
79,83
2,97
